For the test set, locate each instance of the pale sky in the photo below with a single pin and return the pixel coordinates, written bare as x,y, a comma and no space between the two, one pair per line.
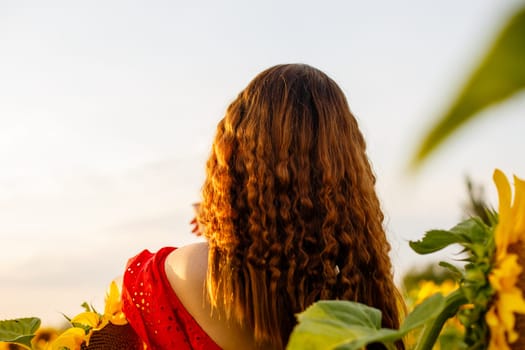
108,110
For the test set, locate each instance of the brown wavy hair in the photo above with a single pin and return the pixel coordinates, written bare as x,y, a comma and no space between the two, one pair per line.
289,206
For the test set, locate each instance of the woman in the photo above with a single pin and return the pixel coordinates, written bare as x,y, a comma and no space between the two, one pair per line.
290,216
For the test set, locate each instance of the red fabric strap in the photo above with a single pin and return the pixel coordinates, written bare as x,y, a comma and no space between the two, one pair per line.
154,310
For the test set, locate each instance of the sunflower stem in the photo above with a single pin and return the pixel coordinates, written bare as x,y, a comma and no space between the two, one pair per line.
431,330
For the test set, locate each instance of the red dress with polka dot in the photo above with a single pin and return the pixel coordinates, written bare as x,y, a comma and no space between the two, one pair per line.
153,309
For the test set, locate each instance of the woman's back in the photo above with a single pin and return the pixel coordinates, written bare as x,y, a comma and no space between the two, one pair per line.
186,270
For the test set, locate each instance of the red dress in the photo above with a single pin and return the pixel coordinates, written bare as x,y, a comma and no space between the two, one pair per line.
153,309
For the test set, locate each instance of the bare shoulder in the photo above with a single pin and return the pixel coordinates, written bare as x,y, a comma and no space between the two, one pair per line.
188,263
186,269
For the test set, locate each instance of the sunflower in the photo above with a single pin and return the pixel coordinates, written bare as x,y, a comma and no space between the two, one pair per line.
88,322
507,277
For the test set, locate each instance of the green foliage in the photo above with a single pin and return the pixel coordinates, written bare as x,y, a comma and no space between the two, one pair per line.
435,240
19,331
345,325
477,239
472,234
432,329
500,75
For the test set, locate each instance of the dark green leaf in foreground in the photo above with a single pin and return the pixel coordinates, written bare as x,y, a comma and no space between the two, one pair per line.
326,324
19,331
448,307
424,312
500,75
345,325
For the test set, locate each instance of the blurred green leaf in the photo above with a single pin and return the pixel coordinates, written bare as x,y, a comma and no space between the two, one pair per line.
500,75
19,331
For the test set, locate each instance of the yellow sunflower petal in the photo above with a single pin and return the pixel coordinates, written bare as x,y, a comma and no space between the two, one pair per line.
504,193
505,275
71,339
498,340
502,318
113,301
518,209
113,309
509,301
119,319
505,197
491,318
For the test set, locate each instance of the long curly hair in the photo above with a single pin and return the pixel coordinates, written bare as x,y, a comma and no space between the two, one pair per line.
289,206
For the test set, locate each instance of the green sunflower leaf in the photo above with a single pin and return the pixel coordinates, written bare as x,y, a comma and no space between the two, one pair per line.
19,331
424,312
474,230
470,233
436,240
345,325
326,324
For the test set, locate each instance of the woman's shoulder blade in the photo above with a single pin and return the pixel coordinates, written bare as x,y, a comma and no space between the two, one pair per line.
188,263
